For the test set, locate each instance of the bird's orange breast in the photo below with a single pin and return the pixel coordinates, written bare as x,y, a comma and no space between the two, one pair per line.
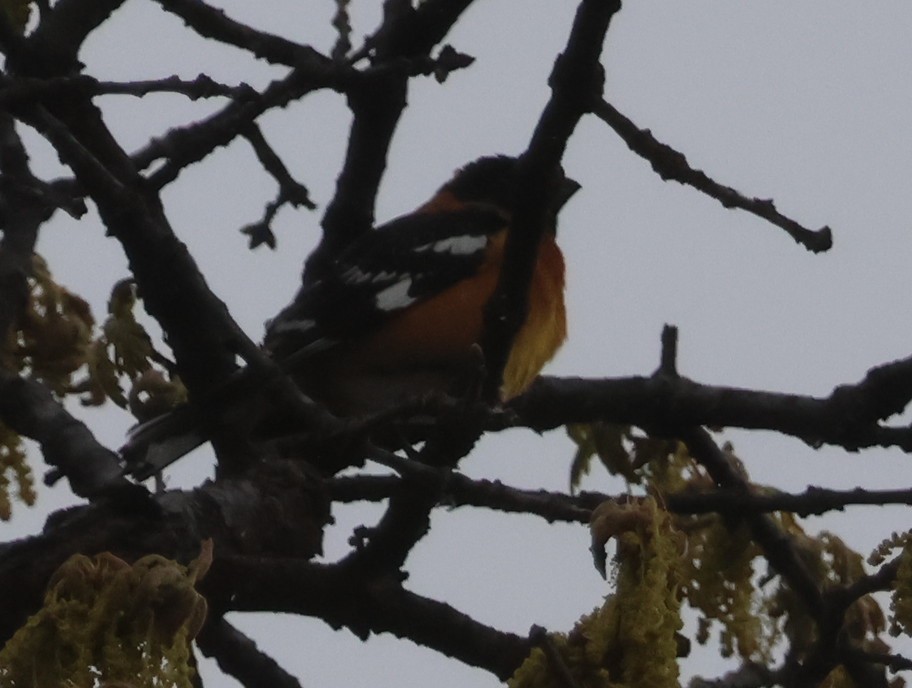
438,333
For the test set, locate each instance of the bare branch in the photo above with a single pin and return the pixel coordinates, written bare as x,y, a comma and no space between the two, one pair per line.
460,490
341,597
25,90
847,418
173,289
30,409
668,367
56,41
813,501
27,406
290,190
577,78
383,549
238,656
342,23
377,99
276,508
410,32
776,544
880,580
671,164
213,23
184,146
21,214
828,610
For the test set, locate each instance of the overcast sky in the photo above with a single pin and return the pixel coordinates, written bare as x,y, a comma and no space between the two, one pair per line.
805,102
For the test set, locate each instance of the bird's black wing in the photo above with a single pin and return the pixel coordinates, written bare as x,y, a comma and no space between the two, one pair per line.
385,271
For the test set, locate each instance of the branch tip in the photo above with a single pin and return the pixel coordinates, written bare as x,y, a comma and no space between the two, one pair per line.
668,366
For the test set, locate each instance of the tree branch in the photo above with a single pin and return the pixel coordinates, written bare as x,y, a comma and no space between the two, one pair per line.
813,501
57,39
214,24
27,406
576,80
290,190
776,544
384,548
183,146
847,418
671,164
21,214
277,508
204,337
30,409
411,32
460,490
779,549
377,99
880,580
27,90
238,656
363,605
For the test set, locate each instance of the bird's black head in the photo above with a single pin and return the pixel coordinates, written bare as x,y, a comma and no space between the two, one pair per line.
492,180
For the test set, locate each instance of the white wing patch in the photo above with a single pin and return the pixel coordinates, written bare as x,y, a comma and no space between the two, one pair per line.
355,275
463,245
299,326
395,297
384,276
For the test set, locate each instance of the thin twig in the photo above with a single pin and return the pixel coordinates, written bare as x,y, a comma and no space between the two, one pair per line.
238,656
290,190
210,22
24,90
669,361
671,164
576,79
813,501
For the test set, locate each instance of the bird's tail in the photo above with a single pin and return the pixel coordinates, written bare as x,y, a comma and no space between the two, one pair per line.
157,443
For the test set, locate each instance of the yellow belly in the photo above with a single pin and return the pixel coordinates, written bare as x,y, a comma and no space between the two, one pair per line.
545,328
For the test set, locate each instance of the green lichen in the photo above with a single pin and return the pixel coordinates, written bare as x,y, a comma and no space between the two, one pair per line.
631,639
15,473
901,600
718,581
104,620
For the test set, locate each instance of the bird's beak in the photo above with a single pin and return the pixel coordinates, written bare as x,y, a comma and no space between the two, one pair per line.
568,187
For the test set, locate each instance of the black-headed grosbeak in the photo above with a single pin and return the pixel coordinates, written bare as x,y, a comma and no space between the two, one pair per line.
399,313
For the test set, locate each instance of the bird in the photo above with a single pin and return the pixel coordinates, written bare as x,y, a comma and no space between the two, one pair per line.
399,313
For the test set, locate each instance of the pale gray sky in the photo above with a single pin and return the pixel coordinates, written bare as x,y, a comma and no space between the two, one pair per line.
805,102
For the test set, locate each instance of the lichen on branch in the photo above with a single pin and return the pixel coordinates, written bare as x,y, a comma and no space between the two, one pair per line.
631,640
105,620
